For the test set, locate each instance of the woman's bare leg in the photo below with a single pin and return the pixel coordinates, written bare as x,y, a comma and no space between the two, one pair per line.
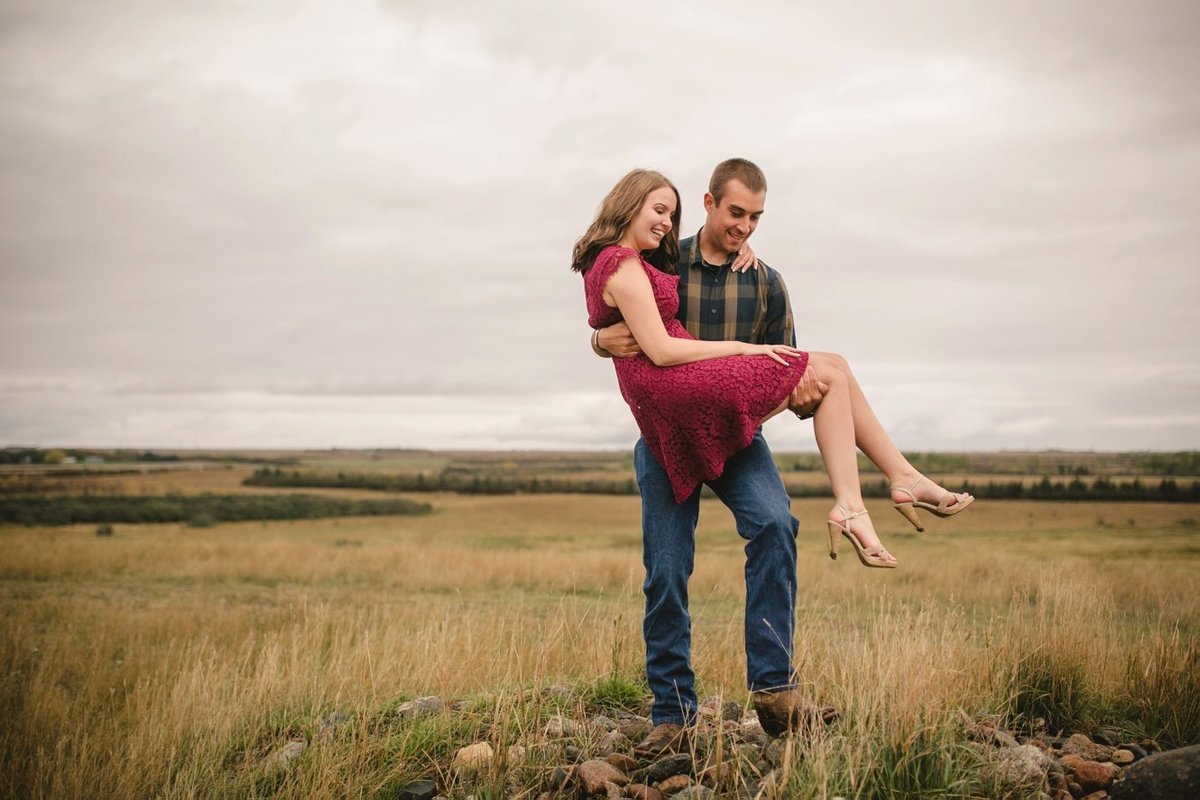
869,435
837,429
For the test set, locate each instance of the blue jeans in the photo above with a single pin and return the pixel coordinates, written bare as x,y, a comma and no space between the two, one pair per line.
753,490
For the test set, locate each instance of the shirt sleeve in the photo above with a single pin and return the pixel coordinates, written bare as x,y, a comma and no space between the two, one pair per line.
778,328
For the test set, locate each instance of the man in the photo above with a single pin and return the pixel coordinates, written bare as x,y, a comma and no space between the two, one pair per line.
719,303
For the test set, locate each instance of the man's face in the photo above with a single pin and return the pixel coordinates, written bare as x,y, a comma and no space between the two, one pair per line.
731,221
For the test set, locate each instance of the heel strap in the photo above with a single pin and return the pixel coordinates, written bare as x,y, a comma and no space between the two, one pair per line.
847,516
911,491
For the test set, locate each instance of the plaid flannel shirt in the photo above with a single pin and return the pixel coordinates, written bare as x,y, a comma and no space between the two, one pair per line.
716,303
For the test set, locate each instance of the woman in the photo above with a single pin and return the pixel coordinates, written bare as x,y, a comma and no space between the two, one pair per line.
698,402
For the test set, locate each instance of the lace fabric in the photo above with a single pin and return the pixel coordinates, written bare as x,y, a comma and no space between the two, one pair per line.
692,416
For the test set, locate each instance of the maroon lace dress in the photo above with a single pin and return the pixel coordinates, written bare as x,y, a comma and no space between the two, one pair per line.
692,416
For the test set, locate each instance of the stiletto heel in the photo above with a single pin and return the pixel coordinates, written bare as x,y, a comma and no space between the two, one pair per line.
950,505
909,513
869,556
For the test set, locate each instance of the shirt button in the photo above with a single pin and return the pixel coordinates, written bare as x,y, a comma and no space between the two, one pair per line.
713,311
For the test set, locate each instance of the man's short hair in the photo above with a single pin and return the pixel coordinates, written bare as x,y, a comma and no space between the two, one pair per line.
745,171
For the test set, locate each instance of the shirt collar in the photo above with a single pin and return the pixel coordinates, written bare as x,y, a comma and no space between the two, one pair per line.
696,259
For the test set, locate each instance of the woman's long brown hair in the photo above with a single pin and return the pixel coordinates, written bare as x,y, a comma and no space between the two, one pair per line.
617,210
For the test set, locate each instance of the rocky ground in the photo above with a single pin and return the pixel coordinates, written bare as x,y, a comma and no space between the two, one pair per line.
731,756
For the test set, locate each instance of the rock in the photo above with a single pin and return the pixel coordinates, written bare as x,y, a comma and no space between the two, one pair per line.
663,768
557,727
1122,757
613,792
602,723
514,754
289,753
420,707
634,729
1138,751
417,790
774,752
1071,761
612,742
573,753
627,764
640,791
1100,795
478,756
1080,745
1093,775
1106,736
673,784
1023,764
594,774
558,778
1170,775
696,792
989,734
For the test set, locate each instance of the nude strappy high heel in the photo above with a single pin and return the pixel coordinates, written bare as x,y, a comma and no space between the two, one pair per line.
869,556
950,505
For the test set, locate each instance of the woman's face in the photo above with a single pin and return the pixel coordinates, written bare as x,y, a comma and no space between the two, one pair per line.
648,227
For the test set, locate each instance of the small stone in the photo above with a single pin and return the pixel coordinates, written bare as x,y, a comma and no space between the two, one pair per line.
594,774
417,790
640,791
557,727
634,729
1121,757
1138,751
674,784
420,707
1023,764
1075,789
696,792
559,777
1100,795
731,711
476,756
663,768
289,753
1170,775
1106,736
626,764
515,754
602,723
1093,775
572,753
989,734
613,792
1071,761
774,751
612,742
1080,745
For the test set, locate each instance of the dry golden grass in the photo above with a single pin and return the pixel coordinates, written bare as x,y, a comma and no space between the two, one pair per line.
170,662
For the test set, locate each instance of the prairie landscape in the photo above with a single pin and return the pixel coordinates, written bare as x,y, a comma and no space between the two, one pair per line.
174,660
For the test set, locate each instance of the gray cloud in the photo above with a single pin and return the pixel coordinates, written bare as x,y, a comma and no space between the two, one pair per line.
264,225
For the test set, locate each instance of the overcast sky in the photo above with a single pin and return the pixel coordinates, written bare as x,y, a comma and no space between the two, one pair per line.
345,223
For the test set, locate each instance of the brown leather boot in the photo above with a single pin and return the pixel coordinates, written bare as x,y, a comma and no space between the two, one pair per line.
668,737
779,712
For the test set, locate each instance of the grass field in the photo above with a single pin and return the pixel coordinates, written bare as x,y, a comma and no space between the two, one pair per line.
172,662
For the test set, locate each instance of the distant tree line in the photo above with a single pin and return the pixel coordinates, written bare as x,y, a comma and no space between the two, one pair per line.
1166,490
444,481
197,510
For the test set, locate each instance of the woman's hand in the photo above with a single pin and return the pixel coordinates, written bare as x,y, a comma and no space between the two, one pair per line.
775,351
746,259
